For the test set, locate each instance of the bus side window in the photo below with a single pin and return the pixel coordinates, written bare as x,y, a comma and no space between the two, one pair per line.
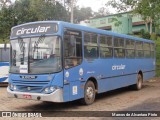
72,48
106,48
139,49
130,48
119,51
90,45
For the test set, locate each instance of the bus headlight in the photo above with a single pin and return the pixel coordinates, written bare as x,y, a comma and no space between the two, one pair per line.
46,90
14,87
52,89
10,86
49,89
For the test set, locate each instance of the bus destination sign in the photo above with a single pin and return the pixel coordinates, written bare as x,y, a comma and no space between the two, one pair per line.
34,29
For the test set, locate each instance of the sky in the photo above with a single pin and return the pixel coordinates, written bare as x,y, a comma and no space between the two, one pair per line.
95,5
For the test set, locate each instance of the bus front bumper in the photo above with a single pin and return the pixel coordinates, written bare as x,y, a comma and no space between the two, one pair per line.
56,96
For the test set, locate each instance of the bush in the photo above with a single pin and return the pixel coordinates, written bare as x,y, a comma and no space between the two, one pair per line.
145,35
153,36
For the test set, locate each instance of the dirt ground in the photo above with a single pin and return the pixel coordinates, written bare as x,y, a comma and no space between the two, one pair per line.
124,99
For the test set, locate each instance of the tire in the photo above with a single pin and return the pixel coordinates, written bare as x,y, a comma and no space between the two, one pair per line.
89,93
138,85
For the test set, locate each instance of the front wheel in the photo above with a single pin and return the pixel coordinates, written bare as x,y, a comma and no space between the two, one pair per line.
89,93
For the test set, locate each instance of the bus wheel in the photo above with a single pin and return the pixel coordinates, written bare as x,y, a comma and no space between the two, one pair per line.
138,85
89,93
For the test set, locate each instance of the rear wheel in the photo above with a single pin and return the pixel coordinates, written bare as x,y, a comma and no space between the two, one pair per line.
138,85
89,93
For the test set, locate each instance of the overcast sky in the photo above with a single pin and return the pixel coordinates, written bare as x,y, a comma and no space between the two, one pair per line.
94,4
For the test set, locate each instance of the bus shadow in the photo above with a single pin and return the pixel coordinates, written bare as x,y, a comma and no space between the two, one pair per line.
74,105
119,91
51,106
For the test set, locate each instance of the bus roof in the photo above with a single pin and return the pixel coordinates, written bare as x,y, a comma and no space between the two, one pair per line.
88,29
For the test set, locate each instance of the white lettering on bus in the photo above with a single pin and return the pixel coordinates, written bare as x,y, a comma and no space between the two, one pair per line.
39,29
118,67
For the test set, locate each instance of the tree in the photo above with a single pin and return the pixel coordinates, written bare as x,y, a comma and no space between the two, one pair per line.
6,22
5,3
82,14
102,12
148,9
23,11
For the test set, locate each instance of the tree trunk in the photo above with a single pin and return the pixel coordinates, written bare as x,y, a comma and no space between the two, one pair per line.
146,23
151,26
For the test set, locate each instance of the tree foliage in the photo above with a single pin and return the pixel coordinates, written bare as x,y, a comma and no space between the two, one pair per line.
82,14
148,9
22,11
102,12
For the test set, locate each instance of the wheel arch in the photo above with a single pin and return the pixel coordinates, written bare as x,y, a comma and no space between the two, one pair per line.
141,73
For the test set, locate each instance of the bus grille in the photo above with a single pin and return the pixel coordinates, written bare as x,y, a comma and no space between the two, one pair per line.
33,86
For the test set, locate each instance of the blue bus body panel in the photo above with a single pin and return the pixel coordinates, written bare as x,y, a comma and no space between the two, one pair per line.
110,73
4,66
38,84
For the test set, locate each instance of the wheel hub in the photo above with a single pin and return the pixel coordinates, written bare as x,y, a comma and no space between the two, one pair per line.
89,92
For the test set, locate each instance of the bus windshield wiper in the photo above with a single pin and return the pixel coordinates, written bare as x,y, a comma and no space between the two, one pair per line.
22,49
21,44
40,40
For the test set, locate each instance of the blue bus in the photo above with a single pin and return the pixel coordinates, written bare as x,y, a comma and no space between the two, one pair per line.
4,63
58,61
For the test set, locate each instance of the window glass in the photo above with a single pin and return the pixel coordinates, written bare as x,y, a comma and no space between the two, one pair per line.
147,54
130,53
152,47
147,49
130,44
90,39
152,50
110,20
106,49
139,50
90,45
105,41
119,51
118,42
139,45
146,46
139,53
72,48
5,55
130,48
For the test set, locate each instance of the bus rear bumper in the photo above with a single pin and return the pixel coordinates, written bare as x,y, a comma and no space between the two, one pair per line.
56,96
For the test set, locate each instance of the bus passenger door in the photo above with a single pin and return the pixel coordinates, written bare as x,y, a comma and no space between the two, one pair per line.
72,62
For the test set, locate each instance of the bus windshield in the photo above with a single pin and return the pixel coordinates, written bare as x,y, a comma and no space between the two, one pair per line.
38,55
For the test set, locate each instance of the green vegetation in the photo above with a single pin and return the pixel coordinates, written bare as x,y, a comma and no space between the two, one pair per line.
157,58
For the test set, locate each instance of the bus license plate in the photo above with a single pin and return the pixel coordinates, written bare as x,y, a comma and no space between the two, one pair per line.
27,96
